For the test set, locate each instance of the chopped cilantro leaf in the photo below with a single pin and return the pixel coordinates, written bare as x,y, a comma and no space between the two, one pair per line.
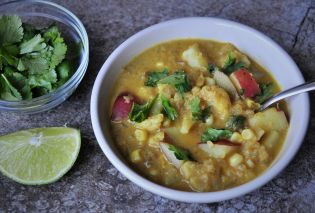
215,134
230,60
169,110
154,77
205,114
33,45
231,65
211,67
236,66
236,122
58,55
180,154
195,109
11,30
35,65
7,91
139,113
179,80
266,91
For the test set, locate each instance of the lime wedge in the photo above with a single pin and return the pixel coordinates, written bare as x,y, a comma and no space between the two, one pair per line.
39,156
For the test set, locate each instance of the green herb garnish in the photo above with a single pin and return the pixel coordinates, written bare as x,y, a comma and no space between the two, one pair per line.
230,60
196,111
266,91
215,134
179,80
195,108
169,110
29,59
236,122
231,65
154,77
180,154
139,113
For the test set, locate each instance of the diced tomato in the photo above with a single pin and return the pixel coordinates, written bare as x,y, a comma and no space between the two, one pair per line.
245,83
225,143
122,106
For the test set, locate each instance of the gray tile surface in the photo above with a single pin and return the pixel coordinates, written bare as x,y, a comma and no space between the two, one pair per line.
93,185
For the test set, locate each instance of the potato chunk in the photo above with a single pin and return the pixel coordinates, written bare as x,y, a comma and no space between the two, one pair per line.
194,57
268,120
151,124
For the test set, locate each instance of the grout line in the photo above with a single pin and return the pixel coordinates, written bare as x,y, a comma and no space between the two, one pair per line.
300,28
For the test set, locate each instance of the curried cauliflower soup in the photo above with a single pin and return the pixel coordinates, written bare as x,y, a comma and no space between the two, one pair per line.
185,114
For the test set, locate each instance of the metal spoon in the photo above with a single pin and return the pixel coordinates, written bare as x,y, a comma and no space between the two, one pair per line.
308,86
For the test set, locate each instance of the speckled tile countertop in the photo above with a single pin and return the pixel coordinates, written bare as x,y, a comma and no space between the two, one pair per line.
93,184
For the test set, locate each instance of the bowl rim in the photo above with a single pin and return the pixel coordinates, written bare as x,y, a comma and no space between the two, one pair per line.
80,71
173,194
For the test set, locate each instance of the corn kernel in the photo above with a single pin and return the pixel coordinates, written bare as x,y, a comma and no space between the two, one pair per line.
250,163
135,156
236,137
210,81
141,135
248,134
252,104
236,159
160,64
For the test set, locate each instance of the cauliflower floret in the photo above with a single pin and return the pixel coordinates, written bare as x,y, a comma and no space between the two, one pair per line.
151,124
156,139
194,57
219,101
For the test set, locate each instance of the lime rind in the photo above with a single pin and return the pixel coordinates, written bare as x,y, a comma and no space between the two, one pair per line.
20,141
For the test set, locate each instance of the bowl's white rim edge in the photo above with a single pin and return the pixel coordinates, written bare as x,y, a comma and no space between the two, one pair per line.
176,194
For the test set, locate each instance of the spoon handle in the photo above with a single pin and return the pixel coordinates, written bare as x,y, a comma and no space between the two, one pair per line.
308,86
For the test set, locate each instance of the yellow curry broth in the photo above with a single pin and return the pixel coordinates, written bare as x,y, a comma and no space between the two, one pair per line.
153,163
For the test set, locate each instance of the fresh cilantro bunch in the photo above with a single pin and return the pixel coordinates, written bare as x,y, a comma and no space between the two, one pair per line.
32,61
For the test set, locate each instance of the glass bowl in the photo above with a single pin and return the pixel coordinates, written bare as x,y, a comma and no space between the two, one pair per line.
42,14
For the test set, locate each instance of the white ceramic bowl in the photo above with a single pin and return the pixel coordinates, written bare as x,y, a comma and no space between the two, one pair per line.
261,48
